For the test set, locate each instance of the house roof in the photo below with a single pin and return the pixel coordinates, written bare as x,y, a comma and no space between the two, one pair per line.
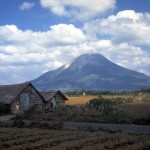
9,92
49,94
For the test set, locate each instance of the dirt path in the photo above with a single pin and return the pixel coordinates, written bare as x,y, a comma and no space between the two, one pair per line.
128,128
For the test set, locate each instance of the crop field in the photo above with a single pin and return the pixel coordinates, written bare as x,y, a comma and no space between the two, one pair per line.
40,139
139,110
81,100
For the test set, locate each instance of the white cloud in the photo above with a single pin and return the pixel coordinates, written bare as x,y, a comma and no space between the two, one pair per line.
20,50
57,35
26,6
24,55
65,34
124,27
78,9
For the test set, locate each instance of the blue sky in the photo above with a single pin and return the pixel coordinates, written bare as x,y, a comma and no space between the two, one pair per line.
41,35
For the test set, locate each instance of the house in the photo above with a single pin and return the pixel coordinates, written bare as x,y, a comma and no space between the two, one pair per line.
20,97
54,98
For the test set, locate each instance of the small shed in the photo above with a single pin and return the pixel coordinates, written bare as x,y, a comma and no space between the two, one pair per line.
20,97
54,98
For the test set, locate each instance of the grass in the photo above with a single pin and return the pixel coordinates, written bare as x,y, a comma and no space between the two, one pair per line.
139,110
108,109
81,100
97,110
146,98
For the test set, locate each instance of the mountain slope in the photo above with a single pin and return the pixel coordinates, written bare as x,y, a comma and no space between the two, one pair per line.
92,72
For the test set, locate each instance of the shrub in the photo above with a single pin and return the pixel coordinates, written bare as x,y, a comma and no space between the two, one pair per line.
105,106
70,111
121,116
142,121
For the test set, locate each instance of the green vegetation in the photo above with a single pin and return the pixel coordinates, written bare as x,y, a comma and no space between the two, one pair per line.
120,100
96,92
97,110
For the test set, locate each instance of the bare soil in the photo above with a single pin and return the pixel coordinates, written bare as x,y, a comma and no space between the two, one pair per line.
39,139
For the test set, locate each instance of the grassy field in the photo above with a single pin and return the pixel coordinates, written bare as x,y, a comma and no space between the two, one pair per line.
139,110
44,139
80,100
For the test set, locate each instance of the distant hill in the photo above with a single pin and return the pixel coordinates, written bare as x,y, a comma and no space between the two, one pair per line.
92,72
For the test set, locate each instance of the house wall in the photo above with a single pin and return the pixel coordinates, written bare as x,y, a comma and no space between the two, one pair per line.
59,102
59,99
34,100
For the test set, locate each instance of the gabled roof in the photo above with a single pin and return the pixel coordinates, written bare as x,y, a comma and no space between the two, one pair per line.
9,92
49,94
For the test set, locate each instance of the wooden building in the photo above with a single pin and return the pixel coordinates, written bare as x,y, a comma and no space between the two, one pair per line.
20,97
54,98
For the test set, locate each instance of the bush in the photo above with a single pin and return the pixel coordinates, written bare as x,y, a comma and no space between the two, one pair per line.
142,121
120,116
70,111
105,106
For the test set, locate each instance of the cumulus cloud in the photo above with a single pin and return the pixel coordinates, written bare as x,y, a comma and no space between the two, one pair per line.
126,26
24,55
60,34
78,9
21,50
26,6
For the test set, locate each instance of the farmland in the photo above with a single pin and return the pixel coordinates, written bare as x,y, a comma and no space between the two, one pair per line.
106,109
25,138
81,100
139,110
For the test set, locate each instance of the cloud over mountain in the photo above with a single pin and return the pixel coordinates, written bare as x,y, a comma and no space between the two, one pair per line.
123,38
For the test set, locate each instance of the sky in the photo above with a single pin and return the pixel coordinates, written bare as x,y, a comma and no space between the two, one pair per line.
37,36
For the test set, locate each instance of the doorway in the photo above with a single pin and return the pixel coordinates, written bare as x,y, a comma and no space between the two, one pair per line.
24,101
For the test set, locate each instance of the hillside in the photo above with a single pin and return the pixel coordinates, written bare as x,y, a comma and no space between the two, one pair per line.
92,72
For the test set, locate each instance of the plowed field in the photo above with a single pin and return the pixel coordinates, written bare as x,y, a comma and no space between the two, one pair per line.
44,139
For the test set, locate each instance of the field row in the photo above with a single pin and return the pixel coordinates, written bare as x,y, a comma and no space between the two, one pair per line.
38,139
